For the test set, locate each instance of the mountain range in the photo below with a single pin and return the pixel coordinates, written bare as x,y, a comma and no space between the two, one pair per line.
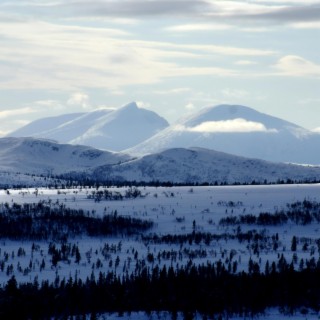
233,129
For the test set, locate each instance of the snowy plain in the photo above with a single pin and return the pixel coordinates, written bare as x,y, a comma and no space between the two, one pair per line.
174,211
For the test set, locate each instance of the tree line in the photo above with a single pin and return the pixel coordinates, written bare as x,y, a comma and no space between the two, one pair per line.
42,221
209,289
300,212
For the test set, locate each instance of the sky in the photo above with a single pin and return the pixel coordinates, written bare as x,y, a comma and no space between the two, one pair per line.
172,57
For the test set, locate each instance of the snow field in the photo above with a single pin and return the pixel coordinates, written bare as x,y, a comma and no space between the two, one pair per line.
175,211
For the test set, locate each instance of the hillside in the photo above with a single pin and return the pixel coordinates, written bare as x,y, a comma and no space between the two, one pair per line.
197,165
44,157
177,165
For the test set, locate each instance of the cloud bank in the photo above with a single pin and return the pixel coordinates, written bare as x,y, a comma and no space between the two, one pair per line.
267,11
238,125
292,65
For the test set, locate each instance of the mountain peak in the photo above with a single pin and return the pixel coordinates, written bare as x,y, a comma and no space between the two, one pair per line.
227,112
233,109
132,105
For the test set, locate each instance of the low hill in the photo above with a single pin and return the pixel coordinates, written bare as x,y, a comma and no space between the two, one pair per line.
45,157
198,165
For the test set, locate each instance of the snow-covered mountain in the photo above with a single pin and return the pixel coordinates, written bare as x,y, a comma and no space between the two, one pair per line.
232,129
197,165
44,157
42,127
108,129
122,128
238,130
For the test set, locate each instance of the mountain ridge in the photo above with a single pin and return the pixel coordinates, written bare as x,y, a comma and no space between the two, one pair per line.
200,165
178,165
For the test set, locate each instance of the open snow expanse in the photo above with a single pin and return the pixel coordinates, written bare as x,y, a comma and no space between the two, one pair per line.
271,314
174,211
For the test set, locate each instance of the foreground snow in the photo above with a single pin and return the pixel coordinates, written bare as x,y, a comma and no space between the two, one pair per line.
175,211
270,314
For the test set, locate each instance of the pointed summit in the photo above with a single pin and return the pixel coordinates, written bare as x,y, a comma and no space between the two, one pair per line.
131,105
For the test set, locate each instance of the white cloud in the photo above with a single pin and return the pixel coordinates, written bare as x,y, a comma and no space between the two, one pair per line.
190,106
269,11
16,112
114,8
235,93
80,99
234,125
198,27
245,63
142,104
255,29
53,105
71,58
228,50
306,25
297,66
4,132
265,11
202,27
172,91
103,107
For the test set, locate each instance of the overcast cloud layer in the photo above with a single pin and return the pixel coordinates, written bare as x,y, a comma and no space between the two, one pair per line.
173,57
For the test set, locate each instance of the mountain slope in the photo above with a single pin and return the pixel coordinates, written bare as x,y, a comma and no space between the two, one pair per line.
197,165
107,129
44,157
42,126
238,130
122,128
